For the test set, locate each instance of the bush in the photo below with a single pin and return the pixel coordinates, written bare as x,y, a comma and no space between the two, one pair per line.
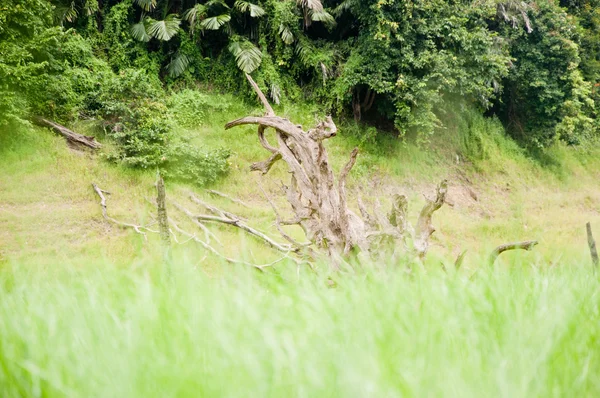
145,140
191,108
186,163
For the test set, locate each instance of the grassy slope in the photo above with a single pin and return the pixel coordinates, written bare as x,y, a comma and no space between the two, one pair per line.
85,310
49,214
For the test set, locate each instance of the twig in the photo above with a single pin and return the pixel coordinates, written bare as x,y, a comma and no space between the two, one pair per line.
278,221
213,209
211,249
230,219
207,232
136,228
234,200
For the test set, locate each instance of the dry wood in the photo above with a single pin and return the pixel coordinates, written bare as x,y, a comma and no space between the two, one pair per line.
279,222
527,245
221,194
230,260
225,218
319,200
136,228
592,245
425,228
75,140
161,205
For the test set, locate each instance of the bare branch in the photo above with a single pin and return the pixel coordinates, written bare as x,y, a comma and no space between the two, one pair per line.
269,110
136,228
528,245
234,200
369,219
265,165
207,232
216,253
425,228
213,209
161,206
278,222
239,224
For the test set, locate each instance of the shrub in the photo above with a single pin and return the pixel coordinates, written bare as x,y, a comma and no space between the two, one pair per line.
191,108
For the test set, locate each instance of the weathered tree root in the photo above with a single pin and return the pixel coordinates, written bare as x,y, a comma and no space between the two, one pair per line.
528,245
75,140
319,203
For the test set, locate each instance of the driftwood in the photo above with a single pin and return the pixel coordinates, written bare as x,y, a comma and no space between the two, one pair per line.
75,140
528,245
319,201
592,245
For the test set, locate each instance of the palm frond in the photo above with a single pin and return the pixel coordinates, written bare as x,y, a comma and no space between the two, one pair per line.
346,5
164,30
194,14
314,5
213,3
71,13
321,16
91,7
275,93
138,31
146,5
247,55
214,23
286,34
305,50
254,10
178,65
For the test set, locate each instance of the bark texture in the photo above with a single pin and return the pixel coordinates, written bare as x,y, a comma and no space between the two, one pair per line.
75,140
318,199
527,245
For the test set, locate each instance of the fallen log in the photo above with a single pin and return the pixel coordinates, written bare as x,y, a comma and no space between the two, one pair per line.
75,140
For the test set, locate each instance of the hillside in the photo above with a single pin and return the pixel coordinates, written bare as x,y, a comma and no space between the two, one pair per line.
50,214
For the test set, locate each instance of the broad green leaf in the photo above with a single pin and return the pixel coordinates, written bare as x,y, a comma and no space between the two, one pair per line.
286,34
164,30
321,16
178,65
247,56
254,10
146,5
214,23
138,31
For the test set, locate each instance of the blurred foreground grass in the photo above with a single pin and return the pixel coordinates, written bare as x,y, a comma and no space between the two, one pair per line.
133,332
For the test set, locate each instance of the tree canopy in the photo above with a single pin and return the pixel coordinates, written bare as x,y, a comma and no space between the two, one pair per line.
399,64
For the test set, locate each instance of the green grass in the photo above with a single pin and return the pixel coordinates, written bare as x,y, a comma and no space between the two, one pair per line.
130,332
87,310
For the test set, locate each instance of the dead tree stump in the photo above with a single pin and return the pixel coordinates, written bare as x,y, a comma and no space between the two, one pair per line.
318,200
161,205
592,245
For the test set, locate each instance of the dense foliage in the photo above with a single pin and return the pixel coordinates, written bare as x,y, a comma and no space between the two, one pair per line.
534,64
